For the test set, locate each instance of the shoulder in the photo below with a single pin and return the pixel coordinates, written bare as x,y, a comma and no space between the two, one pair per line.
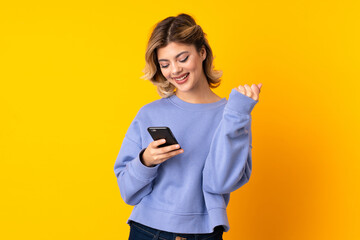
154,105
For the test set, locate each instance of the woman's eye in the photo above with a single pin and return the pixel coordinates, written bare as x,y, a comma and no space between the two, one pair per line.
184,59
165,66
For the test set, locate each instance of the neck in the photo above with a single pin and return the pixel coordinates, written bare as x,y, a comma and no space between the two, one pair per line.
199,94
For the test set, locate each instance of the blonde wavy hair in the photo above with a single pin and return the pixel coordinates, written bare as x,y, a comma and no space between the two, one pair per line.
180,29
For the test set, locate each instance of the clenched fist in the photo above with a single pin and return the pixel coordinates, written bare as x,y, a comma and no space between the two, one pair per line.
252,92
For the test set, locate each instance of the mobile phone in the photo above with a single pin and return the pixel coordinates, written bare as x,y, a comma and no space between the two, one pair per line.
163,132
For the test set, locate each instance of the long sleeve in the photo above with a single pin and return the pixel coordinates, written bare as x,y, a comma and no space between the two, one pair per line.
229,162
134,179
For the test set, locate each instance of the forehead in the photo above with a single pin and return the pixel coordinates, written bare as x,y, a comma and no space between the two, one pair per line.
173,48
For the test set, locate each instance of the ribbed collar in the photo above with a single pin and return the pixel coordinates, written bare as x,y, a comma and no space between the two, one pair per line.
195,106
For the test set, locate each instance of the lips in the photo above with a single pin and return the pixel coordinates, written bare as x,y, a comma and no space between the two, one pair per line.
183,80
178,78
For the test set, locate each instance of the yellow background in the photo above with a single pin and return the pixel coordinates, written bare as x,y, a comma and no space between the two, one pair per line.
70,86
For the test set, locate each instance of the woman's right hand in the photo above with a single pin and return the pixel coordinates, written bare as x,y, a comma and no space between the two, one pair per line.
154,155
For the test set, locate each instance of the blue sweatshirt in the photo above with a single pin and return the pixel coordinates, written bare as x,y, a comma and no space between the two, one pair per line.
189,192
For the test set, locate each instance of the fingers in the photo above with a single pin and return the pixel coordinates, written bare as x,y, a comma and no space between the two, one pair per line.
160,158
168,148
154,155
241,89
256,91
163,153
168,155
158,143
251,92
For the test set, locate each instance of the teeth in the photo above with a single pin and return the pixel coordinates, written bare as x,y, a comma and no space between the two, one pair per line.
179,79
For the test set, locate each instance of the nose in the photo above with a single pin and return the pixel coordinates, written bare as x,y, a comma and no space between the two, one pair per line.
175,70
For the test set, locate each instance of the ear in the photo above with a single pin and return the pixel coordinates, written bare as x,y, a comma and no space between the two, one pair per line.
203,53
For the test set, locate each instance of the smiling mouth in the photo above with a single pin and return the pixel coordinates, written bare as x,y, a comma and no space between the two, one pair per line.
181,78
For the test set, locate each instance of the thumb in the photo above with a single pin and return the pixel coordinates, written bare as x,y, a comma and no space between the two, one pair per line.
260,85
158,142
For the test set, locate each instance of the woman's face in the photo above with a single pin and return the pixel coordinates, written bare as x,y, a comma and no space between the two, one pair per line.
177,61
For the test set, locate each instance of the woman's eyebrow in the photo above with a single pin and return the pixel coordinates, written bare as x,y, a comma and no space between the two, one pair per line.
175,56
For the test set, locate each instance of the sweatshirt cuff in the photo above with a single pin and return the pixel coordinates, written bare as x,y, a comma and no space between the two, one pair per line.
240,103
141,171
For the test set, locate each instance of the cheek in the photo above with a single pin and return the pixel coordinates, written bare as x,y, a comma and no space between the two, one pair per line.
165,73
191,67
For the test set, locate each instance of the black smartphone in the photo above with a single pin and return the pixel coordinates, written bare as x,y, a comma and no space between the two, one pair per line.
163,132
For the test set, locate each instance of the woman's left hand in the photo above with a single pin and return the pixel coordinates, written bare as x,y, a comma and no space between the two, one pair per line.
252,92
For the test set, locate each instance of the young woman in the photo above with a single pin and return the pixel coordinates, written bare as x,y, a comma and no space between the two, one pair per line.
181,191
